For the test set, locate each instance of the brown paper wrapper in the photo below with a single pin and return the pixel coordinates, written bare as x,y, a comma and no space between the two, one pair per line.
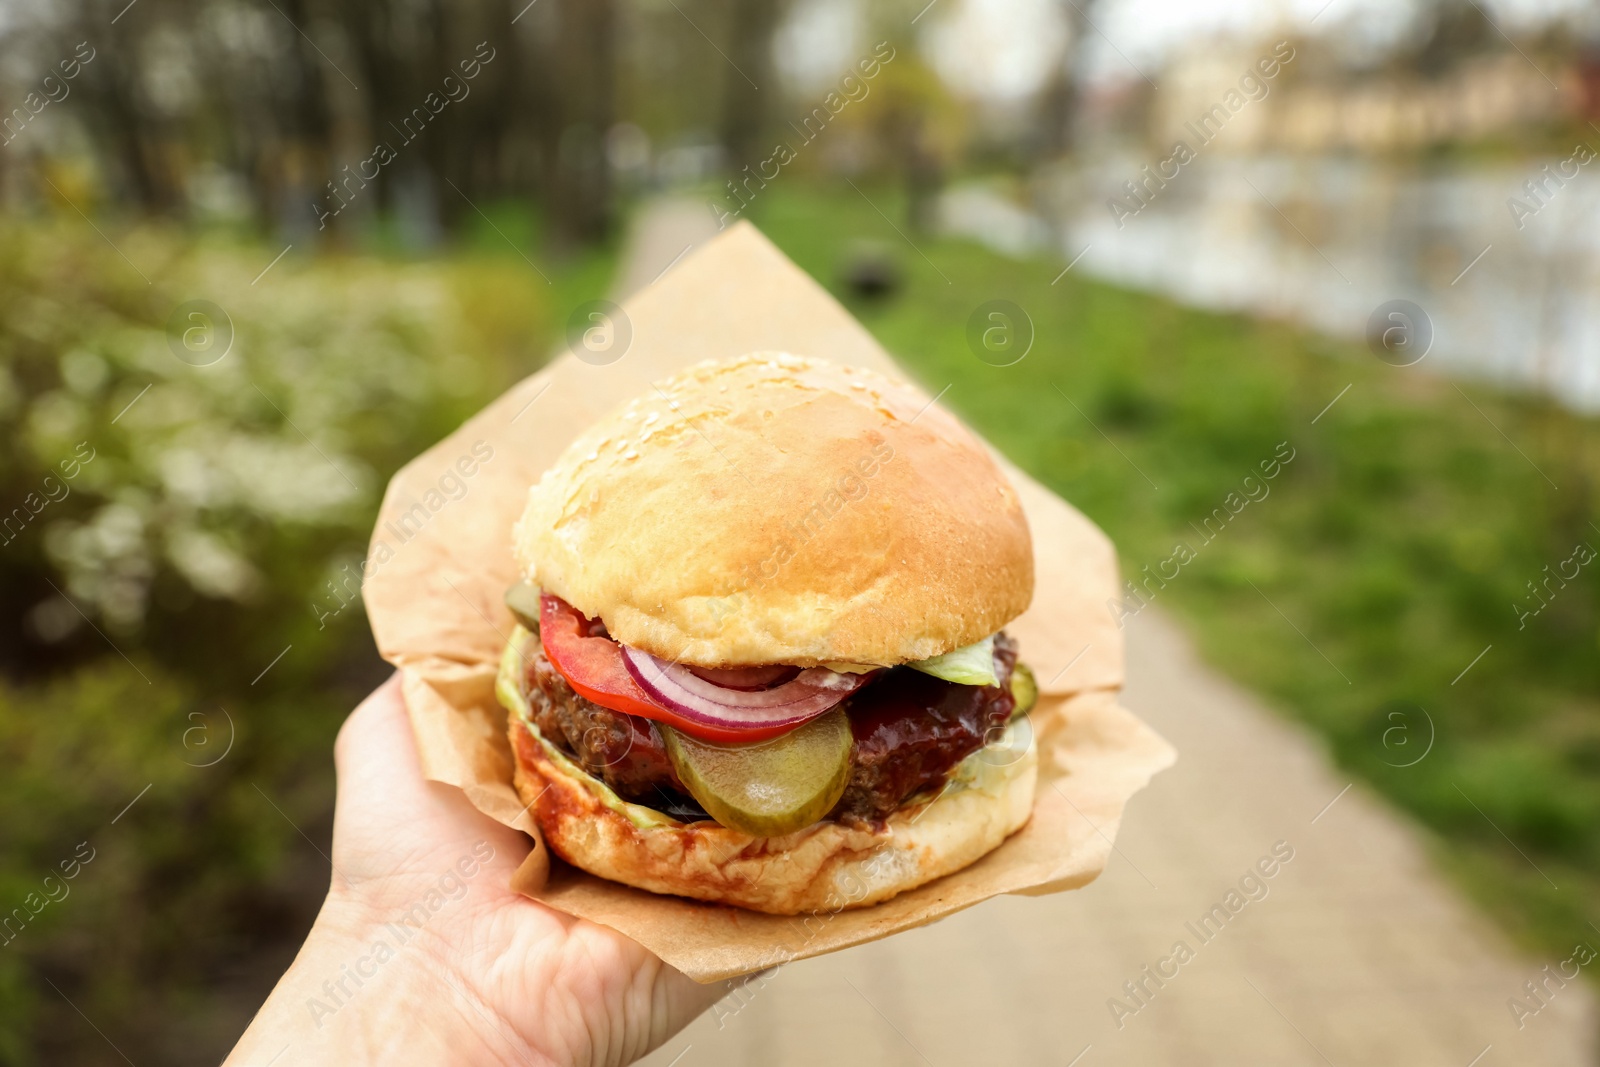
440,562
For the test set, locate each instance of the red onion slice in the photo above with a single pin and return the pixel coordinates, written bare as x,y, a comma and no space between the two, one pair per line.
748,678
677,688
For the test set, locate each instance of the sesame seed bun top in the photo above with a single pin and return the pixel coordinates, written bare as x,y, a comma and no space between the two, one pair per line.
781,509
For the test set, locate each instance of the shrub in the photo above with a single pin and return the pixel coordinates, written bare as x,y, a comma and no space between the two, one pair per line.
168,530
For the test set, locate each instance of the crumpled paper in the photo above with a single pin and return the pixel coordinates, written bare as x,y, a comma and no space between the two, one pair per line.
440,562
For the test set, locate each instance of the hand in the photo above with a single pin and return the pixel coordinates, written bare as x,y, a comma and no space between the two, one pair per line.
423,954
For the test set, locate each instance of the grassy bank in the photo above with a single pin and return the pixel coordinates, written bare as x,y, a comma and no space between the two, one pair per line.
1399,538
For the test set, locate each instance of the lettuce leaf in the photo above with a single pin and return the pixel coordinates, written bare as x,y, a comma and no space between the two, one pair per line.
971,665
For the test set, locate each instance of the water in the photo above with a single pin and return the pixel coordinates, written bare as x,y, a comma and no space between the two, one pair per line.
1325,241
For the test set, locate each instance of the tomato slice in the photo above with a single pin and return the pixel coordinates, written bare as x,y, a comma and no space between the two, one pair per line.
593,666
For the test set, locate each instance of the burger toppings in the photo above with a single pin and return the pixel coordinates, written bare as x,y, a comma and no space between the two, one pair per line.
746,677
714,705
524,602
752,713
911,729
971,665
588,659
881,738
769,788
624,751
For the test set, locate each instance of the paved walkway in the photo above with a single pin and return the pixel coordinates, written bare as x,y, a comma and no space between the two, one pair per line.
1353,953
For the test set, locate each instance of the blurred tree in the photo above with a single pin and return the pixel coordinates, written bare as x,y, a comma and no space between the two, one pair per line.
290,99
1059,101
120,116
301,124
913,127
583,107
1456,29
746,105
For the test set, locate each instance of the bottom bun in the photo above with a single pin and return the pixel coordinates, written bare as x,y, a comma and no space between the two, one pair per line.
826,867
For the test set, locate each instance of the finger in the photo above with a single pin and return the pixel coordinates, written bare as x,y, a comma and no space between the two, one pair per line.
678,1000
687,999
386,811
374,729
629,1000
375,757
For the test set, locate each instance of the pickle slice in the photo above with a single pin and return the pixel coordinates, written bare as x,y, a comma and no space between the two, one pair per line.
1024,689
523,600
767,788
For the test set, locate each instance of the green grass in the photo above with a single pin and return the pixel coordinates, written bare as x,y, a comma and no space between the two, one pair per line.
1397,539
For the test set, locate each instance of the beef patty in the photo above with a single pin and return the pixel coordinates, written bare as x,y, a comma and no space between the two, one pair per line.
910,730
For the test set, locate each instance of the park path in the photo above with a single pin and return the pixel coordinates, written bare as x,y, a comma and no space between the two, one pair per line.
1358,954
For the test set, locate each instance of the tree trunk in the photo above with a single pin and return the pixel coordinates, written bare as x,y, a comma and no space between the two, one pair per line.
747,85
577,184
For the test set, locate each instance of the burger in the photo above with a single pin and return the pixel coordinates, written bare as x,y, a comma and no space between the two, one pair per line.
760,656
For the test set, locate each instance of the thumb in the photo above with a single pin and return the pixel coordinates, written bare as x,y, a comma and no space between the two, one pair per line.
387,814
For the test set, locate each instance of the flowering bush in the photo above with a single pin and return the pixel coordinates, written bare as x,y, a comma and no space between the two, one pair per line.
313,383
185,462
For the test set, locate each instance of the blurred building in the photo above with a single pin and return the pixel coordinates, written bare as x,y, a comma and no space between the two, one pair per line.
1483,97
1322,107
